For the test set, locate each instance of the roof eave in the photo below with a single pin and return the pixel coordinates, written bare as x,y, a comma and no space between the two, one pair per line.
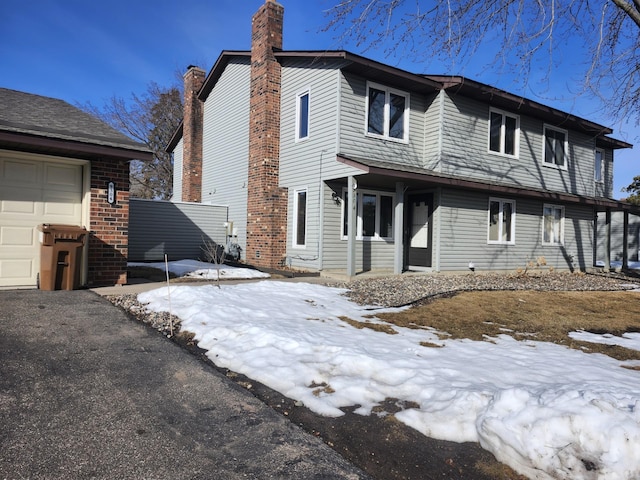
63,147
445,180
502,98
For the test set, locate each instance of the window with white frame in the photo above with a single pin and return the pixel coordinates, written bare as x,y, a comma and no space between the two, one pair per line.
555,147
302,115
504,132
553,225
387,114
300,218
374,214
502,221
598,172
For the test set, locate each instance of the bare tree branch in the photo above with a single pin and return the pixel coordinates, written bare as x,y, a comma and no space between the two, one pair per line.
531,38
151,118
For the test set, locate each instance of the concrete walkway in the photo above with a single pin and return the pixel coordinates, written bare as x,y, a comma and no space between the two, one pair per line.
86,392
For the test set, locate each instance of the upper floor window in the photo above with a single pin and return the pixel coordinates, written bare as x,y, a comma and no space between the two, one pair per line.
504,132
502,221
300,218
374,214
556,147
598,172
302,115
387,112
553,225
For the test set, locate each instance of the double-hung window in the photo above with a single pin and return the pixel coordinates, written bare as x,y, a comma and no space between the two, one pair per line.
302,115
374,214
598,172
555,147
502,221
504,133
553,225
387,113
300,218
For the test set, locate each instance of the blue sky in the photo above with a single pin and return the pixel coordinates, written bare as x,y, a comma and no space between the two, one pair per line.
84,51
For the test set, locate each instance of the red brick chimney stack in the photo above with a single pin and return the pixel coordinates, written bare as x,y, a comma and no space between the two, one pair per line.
192,136
267,201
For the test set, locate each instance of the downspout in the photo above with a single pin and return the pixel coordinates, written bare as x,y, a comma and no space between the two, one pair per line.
320,214
437,198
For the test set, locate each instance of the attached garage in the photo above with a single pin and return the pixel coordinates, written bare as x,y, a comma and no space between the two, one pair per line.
57,164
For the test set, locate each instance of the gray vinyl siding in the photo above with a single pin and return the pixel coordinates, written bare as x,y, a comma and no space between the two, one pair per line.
605,189
608,174
177,172
355,143
465,151
433,131
463,218
617,235
370,255
226,145
176,229
304,163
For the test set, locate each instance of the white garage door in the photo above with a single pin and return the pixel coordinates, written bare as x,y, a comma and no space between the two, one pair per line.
32,192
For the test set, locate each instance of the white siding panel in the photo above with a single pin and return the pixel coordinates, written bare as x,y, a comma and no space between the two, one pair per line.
226,145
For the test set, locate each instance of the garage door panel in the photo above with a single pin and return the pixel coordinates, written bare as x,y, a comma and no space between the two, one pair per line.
19,200
15,236
21,172
19,271
63,177
65,206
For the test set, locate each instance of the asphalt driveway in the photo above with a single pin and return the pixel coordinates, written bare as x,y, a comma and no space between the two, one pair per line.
87,392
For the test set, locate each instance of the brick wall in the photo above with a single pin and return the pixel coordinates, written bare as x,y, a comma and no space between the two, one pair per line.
108,224
267,202
192,136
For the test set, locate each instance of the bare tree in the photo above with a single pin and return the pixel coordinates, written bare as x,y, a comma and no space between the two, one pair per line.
151,118
524,34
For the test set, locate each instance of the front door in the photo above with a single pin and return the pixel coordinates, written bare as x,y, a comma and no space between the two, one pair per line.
419,231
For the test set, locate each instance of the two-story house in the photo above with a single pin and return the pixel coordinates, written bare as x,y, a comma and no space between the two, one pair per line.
329,161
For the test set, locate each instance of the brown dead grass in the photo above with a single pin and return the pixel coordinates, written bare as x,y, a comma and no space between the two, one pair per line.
542,316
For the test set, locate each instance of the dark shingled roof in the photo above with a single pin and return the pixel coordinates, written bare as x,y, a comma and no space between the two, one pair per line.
44,117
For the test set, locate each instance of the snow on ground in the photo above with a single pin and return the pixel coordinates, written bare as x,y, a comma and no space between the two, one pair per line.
203,270
545,410
618,264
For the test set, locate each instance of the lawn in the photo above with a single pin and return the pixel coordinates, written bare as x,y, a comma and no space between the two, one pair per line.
532,315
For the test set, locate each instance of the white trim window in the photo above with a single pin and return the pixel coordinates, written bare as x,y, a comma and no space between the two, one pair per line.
300,218
598,167
555,147
302,115
501,223
553,225
504,133
387,114
374,215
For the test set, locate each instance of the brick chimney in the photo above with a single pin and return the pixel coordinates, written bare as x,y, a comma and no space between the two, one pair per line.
192,136
267,202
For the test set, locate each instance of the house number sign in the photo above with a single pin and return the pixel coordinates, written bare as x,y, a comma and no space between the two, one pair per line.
111,193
